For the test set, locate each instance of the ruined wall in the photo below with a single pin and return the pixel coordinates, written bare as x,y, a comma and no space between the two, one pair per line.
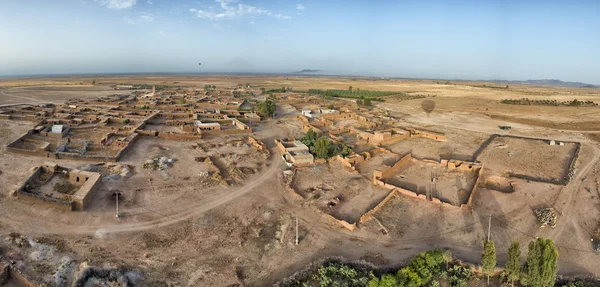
397,166
570,172
82,198
378,175
365,217
302,118
179,136
475,189
280,146
343,223
307,127
228,132
394,139
39,199
257,144
351,160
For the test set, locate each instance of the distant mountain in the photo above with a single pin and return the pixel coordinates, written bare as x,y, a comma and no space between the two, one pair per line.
306,71
547,82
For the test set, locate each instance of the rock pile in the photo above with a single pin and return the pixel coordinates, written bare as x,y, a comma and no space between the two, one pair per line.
546,216
159,163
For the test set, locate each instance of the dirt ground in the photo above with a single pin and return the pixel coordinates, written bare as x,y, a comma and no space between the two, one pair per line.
338,191
533,158
186,229
451,186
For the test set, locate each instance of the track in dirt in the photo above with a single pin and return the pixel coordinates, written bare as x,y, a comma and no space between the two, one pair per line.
176,213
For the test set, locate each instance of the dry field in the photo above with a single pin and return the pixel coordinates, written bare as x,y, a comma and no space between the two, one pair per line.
187,230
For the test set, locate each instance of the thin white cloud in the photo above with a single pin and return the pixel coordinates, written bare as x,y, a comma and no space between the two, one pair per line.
149,2
143,18
117,4
300,7
232,9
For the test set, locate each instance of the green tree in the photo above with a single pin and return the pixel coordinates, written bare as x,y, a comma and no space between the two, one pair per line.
426,263
350,88
345,150
513,263
93,82
330,106
367,102
359,102
310,138
408,278
266,108
387,280
488,259
541,266
321,148
447,256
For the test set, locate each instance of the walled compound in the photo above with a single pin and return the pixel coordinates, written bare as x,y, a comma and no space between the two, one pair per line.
103,129
60,187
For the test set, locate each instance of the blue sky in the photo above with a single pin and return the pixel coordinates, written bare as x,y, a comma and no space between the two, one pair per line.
500,39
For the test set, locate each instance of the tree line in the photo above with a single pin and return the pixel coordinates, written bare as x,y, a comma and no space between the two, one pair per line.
353,94
526,101
438,268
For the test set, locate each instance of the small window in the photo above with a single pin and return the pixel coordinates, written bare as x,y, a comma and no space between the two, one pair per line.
77,179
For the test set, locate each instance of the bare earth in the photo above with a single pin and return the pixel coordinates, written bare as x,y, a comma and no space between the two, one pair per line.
186,230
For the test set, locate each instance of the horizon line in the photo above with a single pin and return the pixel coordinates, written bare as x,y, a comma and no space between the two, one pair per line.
86,74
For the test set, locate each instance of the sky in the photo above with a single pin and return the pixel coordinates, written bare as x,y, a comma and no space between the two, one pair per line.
470,39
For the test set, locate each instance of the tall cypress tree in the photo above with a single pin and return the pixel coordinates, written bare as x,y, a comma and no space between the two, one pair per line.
549,266
541,266
513,263
488,259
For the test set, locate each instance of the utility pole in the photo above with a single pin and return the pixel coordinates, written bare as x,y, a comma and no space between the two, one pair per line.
117,214
296,229
489,228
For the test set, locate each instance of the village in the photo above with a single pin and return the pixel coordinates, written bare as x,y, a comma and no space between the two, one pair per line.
153,156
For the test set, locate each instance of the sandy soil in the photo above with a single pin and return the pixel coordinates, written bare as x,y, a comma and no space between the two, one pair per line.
528,157
188,233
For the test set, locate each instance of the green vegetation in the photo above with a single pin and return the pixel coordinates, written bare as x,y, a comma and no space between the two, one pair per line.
282,90
93,82
125,121
419,271
541,267
513,263
427,269
365,102
310,138
210,87
527,102
149,87
330,106
488,259
492,87
353,94
321,147
182,101
335,274
266,108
